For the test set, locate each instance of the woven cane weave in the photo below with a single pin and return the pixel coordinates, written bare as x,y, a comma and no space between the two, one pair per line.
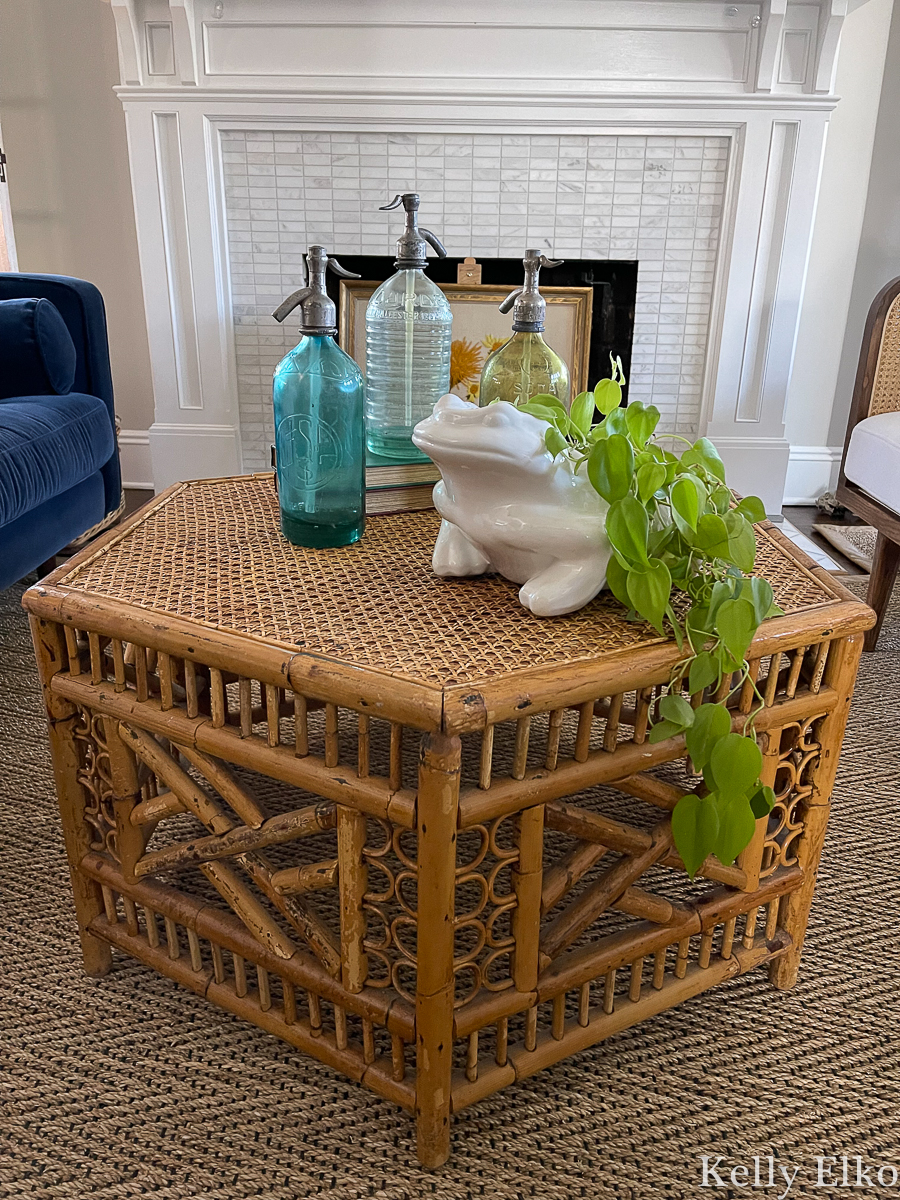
212,552
886,384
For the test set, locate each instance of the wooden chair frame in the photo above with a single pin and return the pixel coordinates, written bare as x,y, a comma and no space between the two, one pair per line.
887,550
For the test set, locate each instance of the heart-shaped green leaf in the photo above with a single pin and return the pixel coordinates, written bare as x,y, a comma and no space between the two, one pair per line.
736,624
703,673
555,441
641,421
541,411
695,829
761,597
737,825
706,453
627,527
611,467
762,801
677,710
617,581
741,541
712,535
547,400
663,730
720,498
650,478
607,396
615,422
582,411
711,724
685,501
722,590
752,508
648,591
735,764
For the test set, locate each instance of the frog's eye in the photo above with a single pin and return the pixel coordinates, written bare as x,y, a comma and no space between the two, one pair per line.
495,414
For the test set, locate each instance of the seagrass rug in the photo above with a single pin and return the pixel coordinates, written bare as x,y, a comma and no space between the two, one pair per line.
131,1087
856,542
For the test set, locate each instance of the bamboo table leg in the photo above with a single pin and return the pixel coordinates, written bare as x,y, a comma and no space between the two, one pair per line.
840,673
61,721
438,804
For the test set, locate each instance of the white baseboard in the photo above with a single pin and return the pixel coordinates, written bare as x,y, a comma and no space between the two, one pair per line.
134,456
179,452
812,470
755,466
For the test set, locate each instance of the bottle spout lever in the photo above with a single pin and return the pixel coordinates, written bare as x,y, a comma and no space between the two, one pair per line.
335,266
434,242
398,201
510,300
287,306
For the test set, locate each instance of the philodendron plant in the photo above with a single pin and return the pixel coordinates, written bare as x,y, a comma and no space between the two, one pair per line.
675,528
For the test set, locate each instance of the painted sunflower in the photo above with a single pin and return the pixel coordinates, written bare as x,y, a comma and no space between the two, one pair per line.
465,362
493,343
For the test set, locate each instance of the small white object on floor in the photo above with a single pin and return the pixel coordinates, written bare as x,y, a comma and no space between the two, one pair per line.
807,545
510,506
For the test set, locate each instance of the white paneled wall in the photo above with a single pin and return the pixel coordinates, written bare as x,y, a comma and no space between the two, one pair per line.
654,199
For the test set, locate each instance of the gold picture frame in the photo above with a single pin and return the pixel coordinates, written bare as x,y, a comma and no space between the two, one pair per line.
568,327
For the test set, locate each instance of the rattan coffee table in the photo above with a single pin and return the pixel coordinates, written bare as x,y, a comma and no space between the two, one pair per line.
399,822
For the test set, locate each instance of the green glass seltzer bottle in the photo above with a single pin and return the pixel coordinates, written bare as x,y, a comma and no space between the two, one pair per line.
525,366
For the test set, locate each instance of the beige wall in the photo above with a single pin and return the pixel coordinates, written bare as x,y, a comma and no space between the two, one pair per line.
70,191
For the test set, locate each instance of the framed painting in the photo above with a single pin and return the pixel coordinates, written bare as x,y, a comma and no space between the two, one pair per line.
479,328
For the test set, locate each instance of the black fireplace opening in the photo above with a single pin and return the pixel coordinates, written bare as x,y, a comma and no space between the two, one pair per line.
614,284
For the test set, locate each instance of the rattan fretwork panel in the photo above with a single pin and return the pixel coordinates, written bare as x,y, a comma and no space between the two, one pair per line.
212,553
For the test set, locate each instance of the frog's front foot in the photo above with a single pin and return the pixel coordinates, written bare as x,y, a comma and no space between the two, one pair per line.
564,587
456,555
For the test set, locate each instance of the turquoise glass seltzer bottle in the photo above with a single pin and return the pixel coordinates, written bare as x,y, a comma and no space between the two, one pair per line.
319,398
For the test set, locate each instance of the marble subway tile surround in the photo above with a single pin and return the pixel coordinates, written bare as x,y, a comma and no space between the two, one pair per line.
654,199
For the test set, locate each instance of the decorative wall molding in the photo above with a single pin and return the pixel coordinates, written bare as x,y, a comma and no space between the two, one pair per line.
128,35
812,471
771,33
831,21
620,46
177,249
758,347
185,31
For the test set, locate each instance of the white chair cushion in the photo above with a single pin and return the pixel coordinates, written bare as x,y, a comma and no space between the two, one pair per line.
873,458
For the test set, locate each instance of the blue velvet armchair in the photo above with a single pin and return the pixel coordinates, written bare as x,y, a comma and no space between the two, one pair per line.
59,463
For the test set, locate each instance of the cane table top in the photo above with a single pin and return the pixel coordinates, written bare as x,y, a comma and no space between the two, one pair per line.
211,552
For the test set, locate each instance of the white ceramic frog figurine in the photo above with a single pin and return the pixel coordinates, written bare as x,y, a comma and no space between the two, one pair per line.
509,506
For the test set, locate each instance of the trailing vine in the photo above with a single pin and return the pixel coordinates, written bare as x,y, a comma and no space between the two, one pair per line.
683,556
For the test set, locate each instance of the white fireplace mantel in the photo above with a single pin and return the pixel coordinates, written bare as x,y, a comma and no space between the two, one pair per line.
759,75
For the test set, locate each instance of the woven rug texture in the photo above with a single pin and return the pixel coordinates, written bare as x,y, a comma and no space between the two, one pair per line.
856,542
131,1087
